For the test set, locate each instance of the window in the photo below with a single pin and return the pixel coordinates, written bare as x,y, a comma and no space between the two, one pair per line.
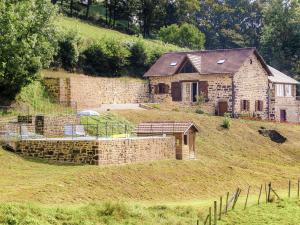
280,90
161,88
259,106
284,90
288,90
185,139
245,105
188,68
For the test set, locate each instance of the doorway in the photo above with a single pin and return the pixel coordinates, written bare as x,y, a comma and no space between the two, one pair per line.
222,108
282,115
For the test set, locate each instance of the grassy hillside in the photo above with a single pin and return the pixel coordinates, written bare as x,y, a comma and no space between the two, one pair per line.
226,159
280,213
87,30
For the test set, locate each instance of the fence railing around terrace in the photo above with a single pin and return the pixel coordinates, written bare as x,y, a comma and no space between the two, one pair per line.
53,108
14,131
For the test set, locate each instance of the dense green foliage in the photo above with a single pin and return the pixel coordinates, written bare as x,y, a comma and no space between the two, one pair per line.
68,50
27,42
272,26
281,35
186,36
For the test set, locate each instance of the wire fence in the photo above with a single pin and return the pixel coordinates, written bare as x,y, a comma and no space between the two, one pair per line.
264,194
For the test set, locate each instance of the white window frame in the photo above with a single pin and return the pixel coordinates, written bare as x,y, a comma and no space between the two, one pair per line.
279,90
288,90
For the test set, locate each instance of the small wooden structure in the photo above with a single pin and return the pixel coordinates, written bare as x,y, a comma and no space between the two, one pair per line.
184,132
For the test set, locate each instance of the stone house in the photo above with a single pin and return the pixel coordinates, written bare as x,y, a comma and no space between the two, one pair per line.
284,105
235,81
184,133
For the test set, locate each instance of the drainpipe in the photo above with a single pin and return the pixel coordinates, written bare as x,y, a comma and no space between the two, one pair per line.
232,97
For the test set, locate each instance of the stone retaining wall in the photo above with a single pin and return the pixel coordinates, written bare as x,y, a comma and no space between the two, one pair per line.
90,91
100,152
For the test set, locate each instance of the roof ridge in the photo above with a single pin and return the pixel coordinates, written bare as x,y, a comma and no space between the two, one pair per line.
211,50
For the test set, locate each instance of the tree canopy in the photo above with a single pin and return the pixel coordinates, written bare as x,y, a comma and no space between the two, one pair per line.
27,42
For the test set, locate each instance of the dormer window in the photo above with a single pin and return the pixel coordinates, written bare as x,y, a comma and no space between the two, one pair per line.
221,61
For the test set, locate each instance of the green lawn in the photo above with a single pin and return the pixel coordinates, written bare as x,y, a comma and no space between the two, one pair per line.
285,212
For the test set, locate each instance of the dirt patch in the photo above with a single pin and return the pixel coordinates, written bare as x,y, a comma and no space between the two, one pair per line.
273,135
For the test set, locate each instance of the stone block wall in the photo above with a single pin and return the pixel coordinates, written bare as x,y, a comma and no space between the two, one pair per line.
121,151
90,91
219,89
53,126
71,151
100,152
251,83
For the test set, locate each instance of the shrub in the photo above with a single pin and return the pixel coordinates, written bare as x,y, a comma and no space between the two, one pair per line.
156,106
187,36
138,54
68,51
226,122
199,111
106,56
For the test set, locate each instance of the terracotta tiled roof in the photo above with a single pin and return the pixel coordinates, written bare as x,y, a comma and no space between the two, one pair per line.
279,77
164,127
206,62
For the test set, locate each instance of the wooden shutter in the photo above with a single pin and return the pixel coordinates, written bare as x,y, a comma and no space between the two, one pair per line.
248,105
256,105
156,89
261,106
176,91
167,88
242,105
203,88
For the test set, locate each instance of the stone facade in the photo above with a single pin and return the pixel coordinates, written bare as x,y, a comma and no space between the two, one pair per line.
290,104
219,88
90,91
251,83
100,152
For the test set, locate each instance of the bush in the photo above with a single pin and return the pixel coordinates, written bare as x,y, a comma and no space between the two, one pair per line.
226,122
68,51
199,111
138,54
187,36
106,56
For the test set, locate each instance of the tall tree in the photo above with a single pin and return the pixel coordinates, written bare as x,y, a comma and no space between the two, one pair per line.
230,23
27,42
281,35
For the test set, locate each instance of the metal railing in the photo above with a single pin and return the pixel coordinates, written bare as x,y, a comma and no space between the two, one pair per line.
13,131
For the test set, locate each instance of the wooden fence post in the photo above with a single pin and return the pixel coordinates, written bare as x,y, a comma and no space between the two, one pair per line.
289,188
298,191
209,215
259,193
247,197
269,192
236,197
226,207
220,212
266,193
215,213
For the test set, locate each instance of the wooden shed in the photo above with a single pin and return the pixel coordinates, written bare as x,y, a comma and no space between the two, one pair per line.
184,132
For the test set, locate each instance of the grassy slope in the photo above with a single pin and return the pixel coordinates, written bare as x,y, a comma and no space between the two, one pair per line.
94,32
281,213
226,159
